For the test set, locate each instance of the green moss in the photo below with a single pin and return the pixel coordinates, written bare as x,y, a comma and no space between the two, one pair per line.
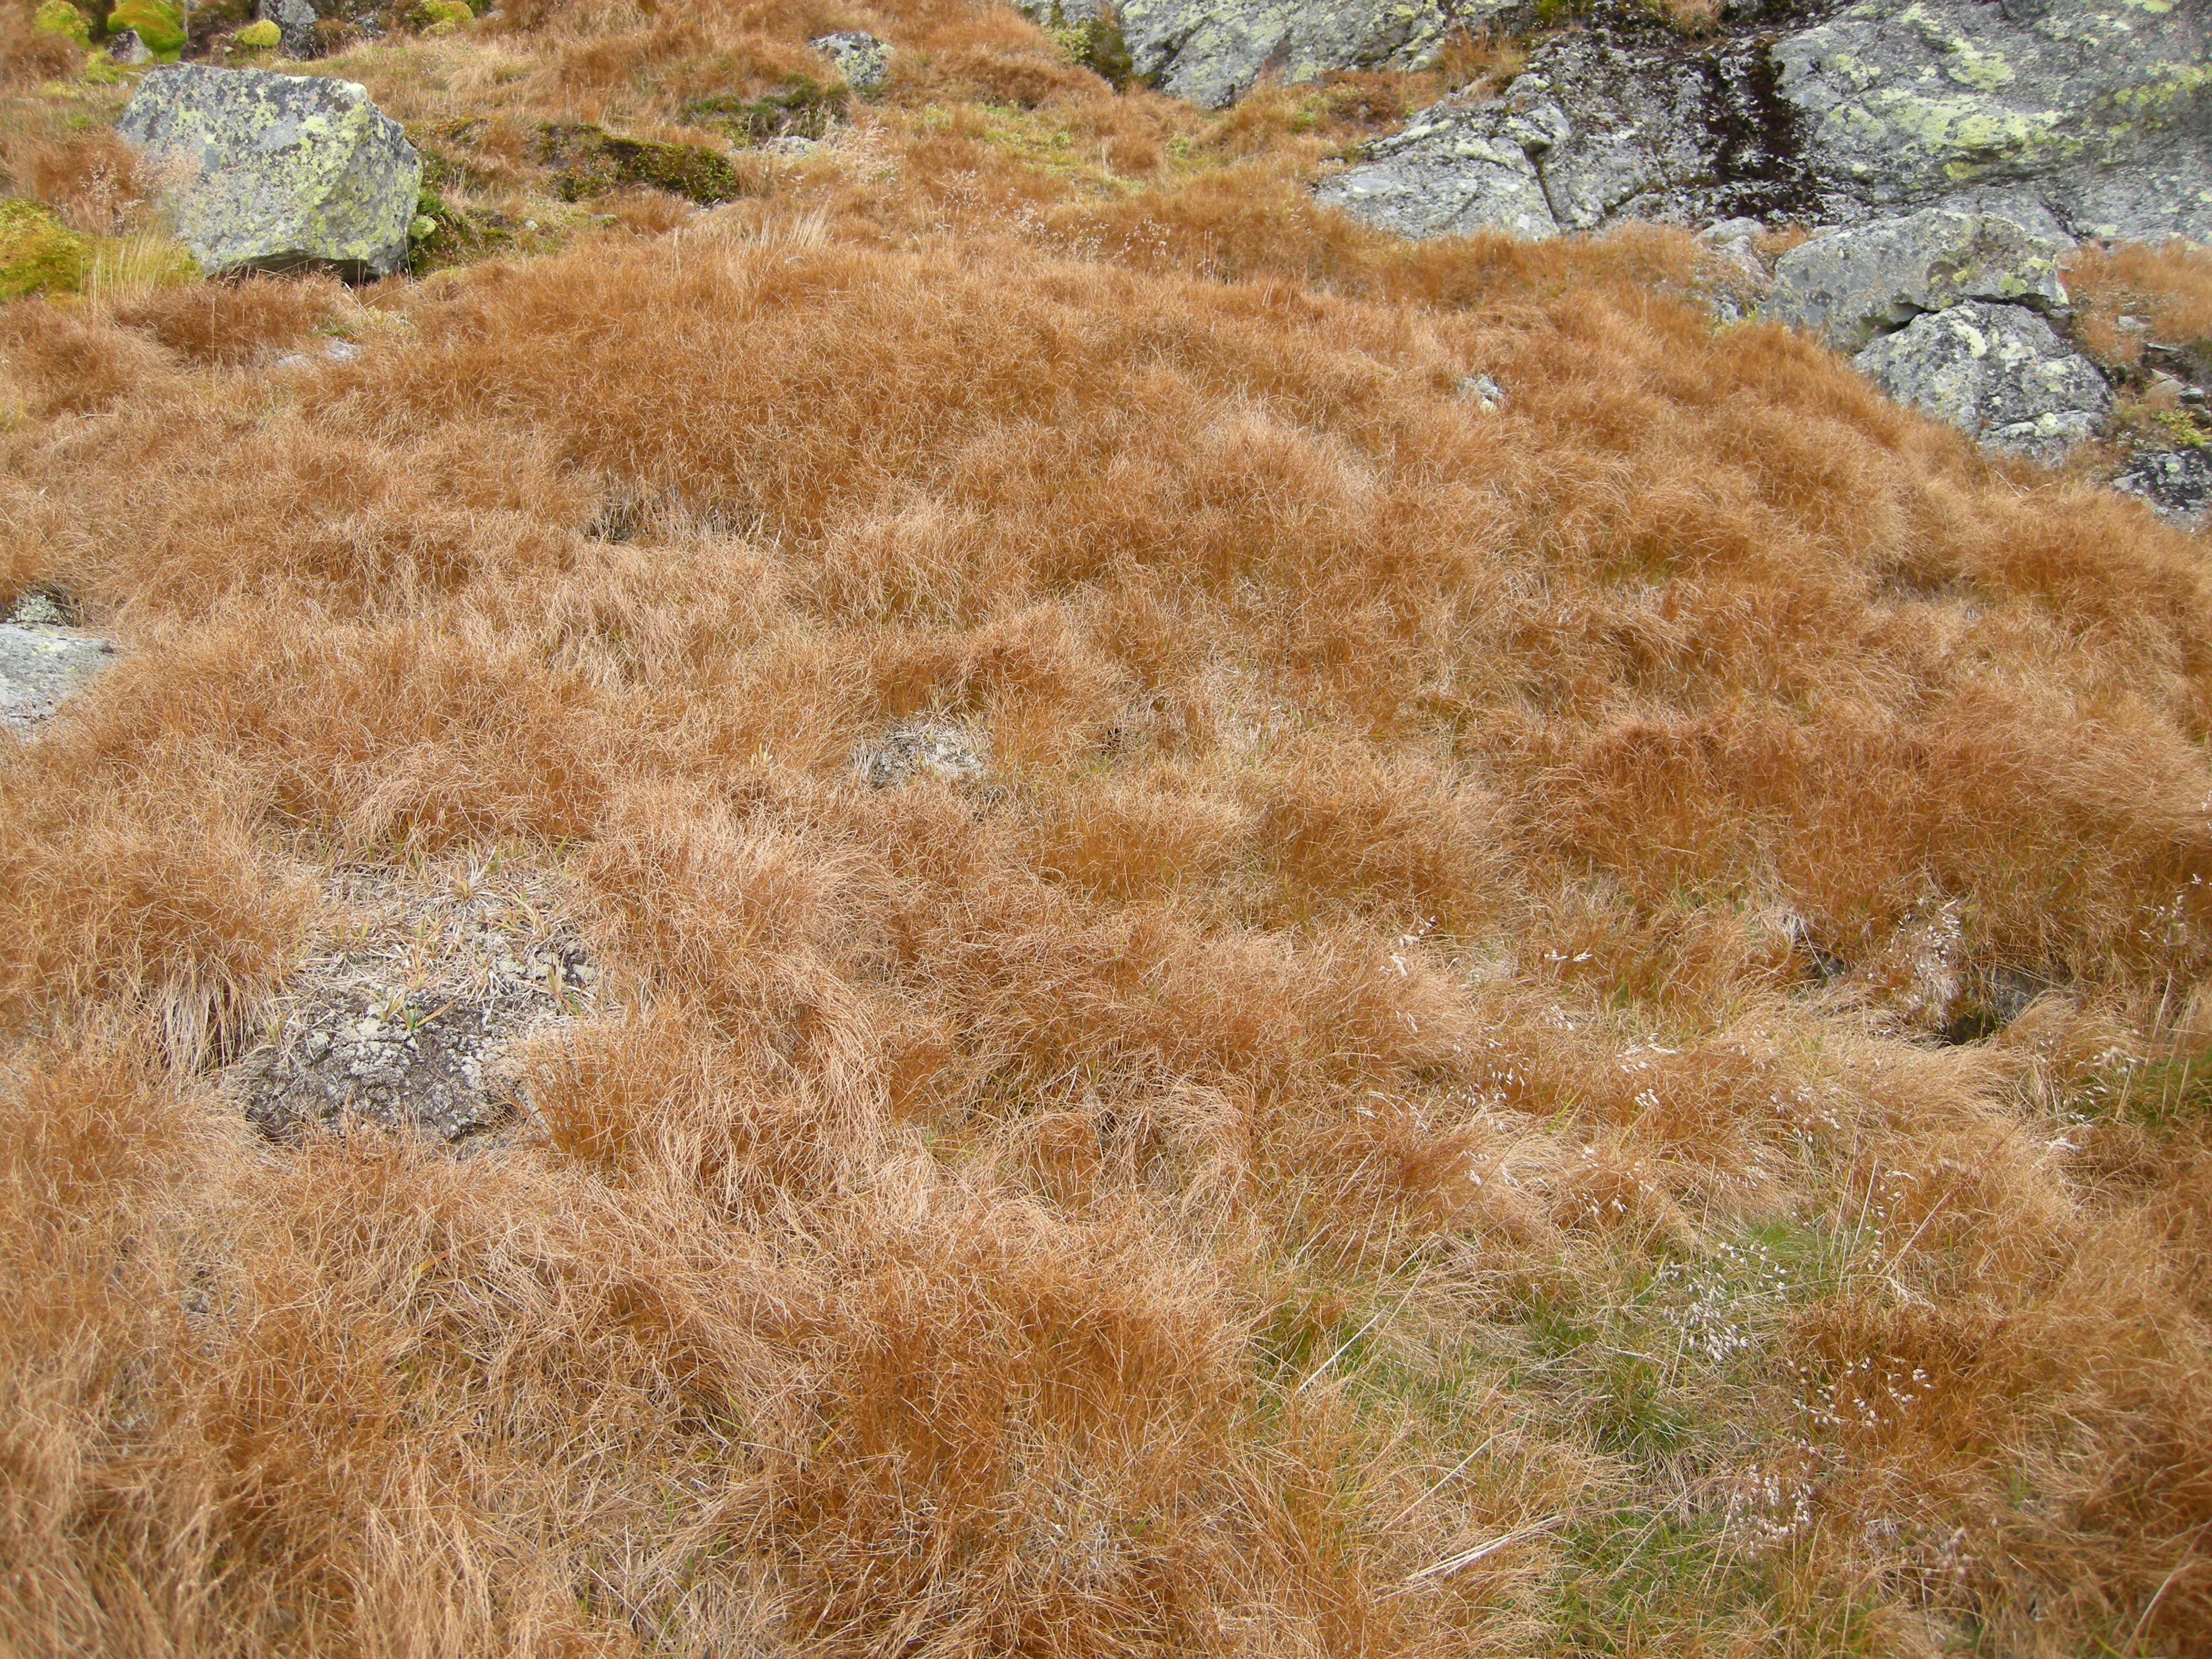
37,253
441,16
59,17
801,108
257,37
160,25
1096,44
590,161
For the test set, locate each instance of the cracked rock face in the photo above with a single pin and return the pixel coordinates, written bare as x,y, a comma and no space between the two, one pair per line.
1852,285
1998,373
267,170
2069,117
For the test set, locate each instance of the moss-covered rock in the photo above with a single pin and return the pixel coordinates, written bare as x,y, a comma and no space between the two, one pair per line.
38,254
591,161
158,24
441,16
261,35
59,17
445,233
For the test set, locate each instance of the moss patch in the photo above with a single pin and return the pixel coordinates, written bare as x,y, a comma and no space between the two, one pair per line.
38,254
59,17
160,24
590,162
801,108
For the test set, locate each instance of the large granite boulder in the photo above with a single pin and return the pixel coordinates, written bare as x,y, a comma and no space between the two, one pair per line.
2069,117
1851,285
269,172
1999,373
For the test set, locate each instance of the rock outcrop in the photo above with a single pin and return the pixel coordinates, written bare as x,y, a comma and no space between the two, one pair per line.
270,172
2067,115
1852,285
1999,373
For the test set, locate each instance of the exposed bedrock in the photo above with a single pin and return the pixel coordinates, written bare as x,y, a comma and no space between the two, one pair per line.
2067,115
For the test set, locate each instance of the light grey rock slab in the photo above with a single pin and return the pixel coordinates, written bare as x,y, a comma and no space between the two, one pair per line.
1211,51
40,665
1999,373
1854,284
1454,170
260,170
922,749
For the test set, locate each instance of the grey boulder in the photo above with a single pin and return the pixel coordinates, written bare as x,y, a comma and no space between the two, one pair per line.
295,25
1851,285
2069,117
269,172
1999,373
1454,169
2100,113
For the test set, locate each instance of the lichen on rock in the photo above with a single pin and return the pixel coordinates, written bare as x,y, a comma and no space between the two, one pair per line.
1853,284
268,171
1999,373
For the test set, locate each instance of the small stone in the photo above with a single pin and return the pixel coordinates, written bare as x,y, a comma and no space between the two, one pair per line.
923,748
126,47
41,667
341,351
861,59
792,145
37,609
2176,483
1481,391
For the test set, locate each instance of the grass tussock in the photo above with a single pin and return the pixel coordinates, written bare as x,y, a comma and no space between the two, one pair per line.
1572,1028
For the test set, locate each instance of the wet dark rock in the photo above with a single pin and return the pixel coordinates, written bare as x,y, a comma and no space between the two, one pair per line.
2176,483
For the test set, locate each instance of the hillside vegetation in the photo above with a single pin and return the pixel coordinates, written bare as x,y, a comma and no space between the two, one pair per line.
1576,1028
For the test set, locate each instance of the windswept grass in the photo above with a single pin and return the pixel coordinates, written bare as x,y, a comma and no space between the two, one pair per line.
1407,1114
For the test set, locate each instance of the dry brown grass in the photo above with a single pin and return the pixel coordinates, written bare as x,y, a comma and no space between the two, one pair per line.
1424,1038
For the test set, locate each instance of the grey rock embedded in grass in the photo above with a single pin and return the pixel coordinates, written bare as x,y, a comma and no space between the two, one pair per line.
1999,373
1852,285
861,59
1454,169
267,170
409,1021
920,749
2176,483
42,661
